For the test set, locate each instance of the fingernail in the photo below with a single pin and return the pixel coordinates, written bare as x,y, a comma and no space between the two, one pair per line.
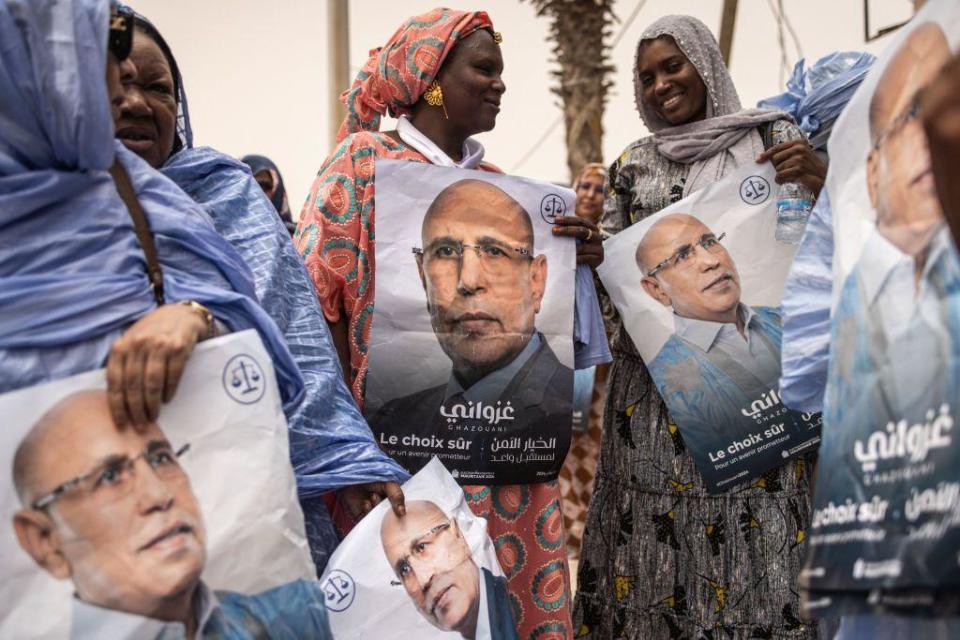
402,510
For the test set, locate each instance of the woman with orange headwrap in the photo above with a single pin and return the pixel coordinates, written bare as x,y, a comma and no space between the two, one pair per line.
440,73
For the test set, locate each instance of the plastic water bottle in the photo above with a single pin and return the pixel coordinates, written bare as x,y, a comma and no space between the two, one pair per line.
794,203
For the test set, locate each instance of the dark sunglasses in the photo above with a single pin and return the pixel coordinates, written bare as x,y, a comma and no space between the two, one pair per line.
120,41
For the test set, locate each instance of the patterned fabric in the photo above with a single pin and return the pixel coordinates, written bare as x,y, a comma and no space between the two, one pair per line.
397,74
661,558
580,467
335,237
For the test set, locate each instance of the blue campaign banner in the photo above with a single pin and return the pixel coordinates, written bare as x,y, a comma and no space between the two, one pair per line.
885,532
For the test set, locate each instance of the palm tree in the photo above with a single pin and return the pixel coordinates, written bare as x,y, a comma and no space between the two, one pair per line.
579,29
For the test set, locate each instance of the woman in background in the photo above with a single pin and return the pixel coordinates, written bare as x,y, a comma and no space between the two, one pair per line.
267,175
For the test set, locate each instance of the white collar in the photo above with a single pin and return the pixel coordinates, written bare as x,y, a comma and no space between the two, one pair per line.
880,258
92,622
703,333
472,150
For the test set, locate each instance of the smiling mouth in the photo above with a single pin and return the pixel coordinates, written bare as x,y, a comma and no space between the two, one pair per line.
672,101
176,530
725,277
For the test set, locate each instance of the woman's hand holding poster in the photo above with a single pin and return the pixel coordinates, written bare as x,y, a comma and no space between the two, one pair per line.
698,287
886,520
472,349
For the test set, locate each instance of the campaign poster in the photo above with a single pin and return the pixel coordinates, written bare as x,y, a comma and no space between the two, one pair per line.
431,574
471,349
103,529
698,286
885,533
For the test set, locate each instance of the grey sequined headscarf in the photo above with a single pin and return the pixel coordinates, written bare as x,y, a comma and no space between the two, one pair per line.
727,137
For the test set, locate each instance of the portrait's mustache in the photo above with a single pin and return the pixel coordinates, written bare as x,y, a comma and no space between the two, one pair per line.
476,311
177,528
726,275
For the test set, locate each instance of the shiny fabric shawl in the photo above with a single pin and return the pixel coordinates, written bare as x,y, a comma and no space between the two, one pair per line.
72,274
727,137
397,74
331,446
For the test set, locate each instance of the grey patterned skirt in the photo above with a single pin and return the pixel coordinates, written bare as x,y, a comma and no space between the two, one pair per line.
661,558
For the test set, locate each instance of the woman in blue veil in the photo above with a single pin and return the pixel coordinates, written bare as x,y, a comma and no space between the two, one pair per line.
331,446
74,287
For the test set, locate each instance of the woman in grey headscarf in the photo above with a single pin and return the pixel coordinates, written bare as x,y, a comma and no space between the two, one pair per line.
660,557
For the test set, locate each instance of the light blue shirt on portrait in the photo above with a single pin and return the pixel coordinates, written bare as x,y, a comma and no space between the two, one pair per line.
707,372
288,612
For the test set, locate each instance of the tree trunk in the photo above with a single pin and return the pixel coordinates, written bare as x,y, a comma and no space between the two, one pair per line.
578,29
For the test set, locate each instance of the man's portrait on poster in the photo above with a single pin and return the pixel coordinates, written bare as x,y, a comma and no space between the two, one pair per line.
113,511
484,285
432,560
727,351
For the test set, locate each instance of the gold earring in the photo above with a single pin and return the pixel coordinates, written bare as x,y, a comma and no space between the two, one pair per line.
497,37
434,97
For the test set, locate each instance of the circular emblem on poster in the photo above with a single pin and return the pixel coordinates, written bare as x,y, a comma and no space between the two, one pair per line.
243,379
339,590
551,207
754,190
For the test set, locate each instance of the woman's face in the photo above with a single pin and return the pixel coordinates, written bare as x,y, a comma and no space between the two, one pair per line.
471,84
148,113
590,197
670,84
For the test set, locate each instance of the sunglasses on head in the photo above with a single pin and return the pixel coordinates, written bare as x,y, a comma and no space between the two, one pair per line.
120,40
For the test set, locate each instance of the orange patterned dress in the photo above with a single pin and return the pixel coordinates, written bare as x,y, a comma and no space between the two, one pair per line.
336,237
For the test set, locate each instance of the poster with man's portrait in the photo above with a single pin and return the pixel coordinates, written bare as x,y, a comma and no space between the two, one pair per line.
698,286
471,356
432,573
886,518
128,533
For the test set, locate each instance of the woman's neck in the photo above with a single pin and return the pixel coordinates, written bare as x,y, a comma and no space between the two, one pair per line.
451,143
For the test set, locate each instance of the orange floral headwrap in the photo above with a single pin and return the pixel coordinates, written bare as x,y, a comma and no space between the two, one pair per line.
397,74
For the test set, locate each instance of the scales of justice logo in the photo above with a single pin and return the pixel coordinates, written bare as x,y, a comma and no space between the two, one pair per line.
551,207
243,379
754,190
339,590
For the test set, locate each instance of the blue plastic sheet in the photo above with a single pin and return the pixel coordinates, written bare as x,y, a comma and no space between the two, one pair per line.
805,351
816,96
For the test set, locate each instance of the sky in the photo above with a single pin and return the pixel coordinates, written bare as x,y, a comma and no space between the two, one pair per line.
256,73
